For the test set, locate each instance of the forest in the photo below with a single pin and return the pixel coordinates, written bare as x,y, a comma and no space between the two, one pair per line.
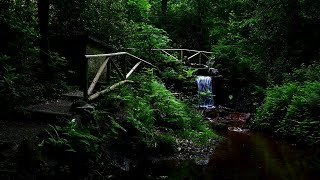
266,51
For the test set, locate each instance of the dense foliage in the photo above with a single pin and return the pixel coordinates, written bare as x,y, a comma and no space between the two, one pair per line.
21,71
151,110
292,109
135,121
266,50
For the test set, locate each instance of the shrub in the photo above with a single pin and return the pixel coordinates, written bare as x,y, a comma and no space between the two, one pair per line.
150,114
292,111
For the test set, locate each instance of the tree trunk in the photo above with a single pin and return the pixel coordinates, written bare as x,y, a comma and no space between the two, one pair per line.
164,8
43,14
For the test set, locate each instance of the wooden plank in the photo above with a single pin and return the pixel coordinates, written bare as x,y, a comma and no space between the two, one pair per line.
96,78
193,55
170,55
134,68
96,95
118,70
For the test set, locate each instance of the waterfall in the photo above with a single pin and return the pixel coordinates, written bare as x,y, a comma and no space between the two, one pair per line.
205,91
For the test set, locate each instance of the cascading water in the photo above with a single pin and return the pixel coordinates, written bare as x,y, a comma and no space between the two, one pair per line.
205,91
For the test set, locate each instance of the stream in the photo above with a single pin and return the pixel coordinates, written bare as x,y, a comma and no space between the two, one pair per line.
244,156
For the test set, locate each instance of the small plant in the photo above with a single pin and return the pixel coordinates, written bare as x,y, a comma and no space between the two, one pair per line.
70,138
190,72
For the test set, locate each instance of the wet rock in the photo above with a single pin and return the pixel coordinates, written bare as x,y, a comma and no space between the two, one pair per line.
237,116
187,150
238,129
202,162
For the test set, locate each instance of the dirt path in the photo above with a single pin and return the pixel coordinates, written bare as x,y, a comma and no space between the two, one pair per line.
15,132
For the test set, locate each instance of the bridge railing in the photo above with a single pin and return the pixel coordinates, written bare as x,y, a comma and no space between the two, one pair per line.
184,56
107,64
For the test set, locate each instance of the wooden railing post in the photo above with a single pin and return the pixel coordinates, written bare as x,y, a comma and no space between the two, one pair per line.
85,79
199,58
96,78
181,55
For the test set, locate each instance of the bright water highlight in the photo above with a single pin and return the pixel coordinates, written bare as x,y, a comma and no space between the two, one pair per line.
205,91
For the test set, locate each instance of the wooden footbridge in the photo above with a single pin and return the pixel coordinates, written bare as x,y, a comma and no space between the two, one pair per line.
108,65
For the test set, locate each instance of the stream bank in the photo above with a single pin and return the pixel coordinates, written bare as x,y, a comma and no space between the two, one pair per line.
241,156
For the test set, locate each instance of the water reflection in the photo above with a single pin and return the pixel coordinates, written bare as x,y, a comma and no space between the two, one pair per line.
248,156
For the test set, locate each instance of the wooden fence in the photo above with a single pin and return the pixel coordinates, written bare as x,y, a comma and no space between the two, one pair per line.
183,54
107,65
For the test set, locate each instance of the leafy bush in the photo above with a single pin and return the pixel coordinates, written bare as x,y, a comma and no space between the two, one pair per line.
292,111
70,138
63,146
304,73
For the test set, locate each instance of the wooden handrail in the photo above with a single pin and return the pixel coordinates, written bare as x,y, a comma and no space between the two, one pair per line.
107,63
189,50
117,54
169,55
183,58
105,55
205,55
141,60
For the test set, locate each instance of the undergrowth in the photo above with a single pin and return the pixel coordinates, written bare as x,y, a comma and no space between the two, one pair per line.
134,120
292,110
152,113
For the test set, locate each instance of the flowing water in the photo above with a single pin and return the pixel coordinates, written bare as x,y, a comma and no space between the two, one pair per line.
205,91
246,156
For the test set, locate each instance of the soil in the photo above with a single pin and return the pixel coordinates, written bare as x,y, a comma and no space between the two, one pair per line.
13,135
15,132
187,150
